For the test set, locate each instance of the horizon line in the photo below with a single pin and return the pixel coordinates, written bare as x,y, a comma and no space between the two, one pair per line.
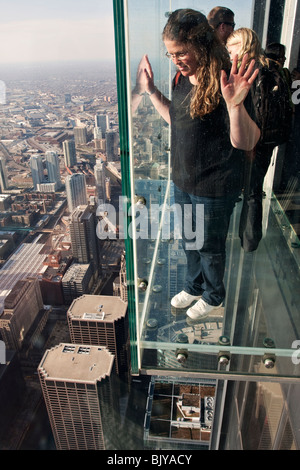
60,61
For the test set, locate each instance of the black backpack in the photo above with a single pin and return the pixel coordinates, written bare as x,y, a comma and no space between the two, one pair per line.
271,96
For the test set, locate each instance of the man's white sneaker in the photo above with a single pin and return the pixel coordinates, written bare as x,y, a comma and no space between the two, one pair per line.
201,310
183,299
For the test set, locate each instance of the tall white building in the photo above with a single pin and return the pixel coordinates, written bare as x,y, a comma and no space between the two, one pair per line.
76,190
52,165
99,172
37,170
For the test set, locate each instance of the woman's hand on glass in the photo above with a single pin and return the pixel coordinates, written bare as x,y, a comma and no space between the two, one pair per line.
236,87
145,77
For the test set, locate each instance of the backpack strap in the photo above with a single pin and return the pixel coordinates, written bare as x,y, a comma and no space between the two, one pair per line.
176,80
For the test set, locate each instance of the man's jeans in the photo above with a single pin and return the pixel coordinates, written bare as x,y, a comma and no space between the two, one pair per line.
206,263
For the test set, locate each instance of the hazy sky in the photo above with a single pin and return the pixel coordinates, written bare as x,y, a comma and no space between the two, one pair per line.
59,30
46,30
146,22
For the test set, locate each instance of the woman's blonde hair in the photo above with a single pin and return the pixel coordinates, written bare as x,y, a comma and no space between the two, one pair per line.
250,44
191,28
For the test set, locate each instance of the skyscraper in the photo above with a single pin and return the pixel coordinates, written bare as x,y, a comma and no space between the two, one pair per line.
99,172
52,165
77,281
3,174
83,236
102,121
37,170
69,153
80,395
102,320
111,145
80,135
76,190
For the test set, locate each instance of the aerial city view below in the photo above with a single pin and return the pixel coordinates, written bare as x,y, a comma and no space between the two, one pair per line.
59,161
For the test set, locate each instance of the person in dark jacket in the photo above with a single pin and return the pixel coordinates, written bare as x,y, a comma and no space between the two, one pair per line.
245,41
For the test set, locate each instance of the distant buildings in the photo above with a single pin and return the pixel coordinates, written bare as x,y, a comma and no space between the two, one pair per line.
78,384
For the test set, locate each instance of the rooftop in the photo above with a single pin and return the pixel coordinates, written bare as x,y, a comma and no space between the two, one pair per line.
76,271
76,363
98,308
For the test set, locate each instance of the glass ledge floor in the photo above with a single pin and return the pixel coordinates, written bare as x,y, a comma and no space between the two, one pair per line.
257,329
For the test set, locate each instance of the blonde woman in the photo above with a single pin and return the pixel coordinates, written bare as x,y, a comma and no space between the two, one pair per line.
240,42
210,128
245,41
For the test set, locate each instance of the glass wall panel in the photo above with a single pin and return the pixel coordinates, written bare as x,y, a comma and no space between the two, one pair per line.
256,331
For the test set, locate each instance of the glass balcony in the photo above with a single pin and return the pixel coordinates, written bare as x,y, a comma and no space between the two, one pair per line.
256,333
